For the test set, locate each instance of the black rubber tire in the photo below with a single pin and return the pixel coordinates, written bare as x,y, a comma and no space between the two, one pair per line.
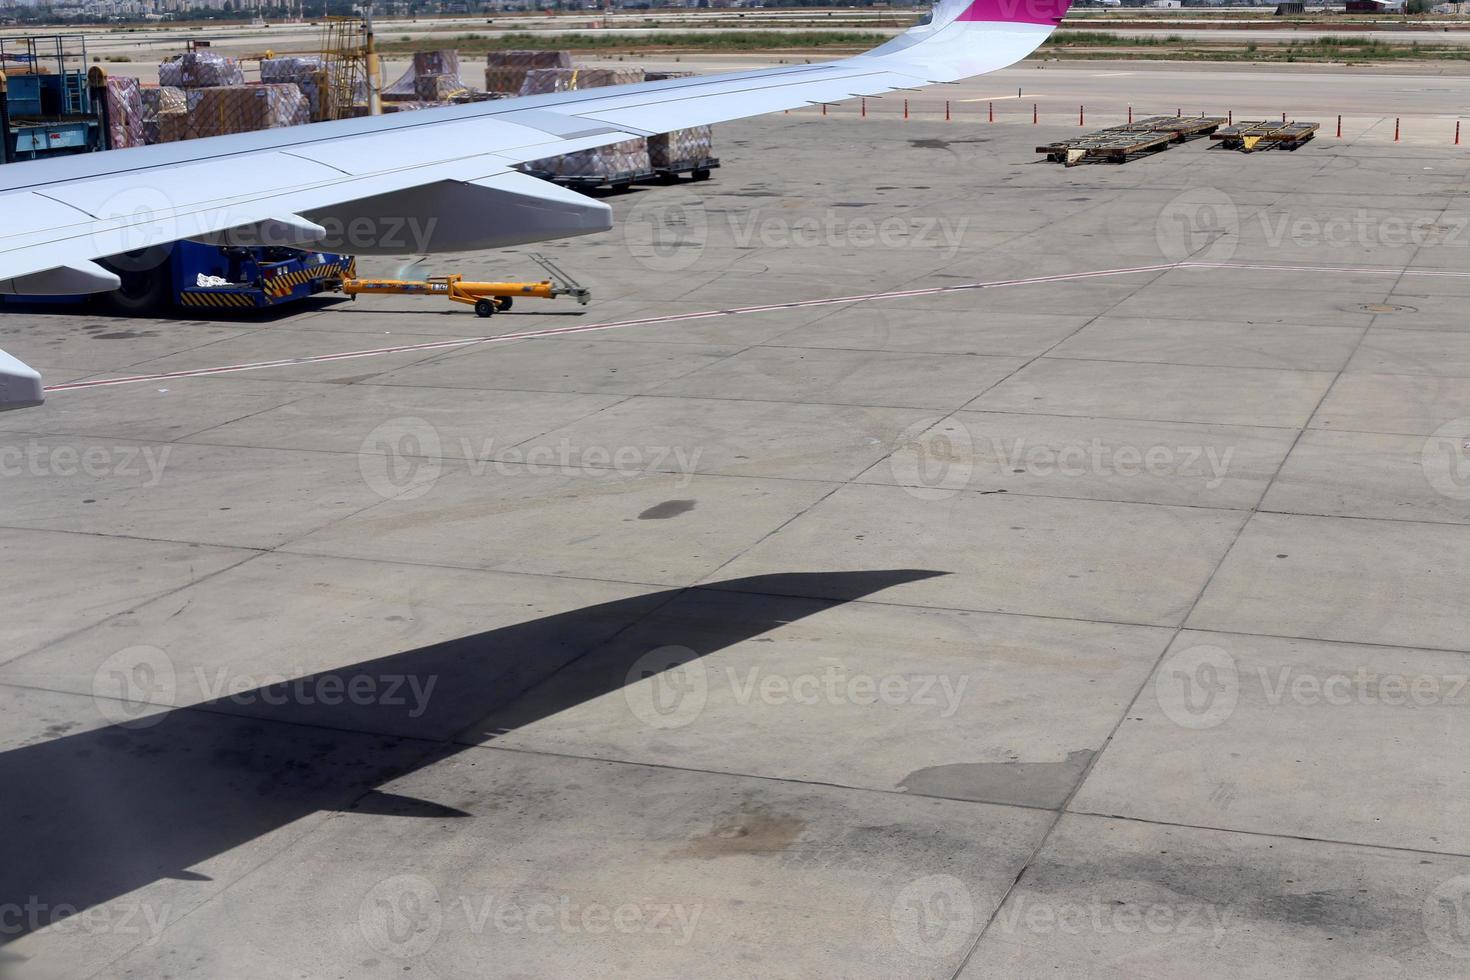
144,292
503,303
484,307
700,175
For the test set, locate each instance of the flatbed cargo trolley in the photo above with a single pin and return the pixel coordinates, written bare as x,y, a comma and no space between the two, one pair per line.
1120,144
1265,135
696,169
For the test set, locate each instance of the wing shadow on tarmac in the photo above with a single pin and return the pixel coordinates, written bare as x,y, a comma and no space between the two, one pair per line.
88,817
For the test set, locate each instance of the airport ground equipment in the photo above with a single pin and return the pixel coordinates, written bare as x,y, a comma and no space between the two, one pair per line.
191,276
696,169
47,106
488,298
1248,137
1120,144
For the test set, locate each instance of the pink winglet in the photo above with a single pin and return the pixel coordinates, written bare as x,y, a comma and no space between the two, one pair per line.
1048,12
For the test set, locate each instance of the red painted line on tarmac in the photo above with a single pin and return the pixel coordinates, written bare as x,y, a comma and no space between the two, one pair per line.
590,327
737,311
1444,273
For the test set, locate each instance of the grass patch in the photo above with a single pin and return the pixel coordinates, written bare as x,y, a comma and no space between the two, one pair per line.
1102,39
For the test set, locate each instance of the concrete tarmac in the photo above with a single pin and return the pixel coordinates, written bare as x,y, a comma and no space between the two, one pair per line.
1077,625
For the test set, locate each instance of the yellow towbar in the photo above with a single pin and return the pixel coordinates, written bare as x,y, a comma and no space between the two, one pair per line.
488,298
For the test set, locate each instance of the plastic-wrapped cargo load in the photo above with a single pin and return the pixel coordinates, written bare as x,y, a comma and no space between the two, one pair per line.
437,88
441,66
124,113
619,161
661,76
200,69
529,59
505,81
505,71
307,72
160,101
683,148
234,109
542,80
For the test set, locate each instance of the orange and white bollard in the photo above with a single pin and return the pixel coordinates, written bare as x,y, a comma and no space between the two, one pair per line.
1082,115
1339,126
865,109
1130,115
946,110
905,108
992,112
1396,129
1034,114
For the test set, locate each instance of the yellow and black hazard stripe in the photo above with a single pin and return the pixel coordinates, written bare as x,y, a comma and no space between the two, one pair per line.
217,299
283,284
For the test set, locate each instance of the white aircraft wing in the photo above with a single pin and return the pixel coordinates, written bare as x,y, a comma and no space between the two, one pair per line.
435,180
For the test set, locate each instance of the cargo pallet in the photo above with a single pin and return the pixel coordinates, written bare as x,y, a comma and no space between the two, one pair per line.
1106,146
1119,144
1181,128
698,169
595,182
1265,134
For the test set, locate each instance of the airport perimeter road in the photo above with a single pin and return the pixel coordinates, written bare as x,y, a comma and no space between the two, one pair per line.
1104,621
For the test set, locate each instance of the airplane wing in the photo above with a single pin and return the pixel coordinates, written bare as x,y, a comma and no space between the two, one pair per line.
435,180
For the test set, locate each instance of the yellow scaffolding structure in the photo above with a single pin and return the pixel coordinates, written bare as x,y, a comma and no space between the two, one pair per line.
344,63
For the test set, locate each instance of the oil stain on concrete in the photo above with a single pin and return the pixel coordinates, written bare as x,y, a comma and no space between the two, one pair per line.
667,509
752,831
1039,784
